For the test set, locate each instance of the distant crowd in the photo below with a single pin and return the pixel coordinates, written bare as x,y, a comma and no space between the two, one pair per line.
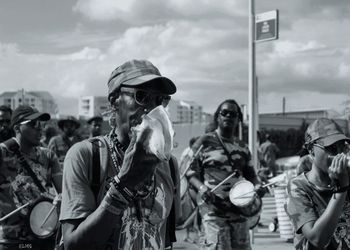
125,189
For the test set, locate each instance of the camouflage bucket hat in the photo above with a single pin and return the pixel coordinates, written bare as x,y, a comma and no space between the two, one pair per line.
140,73
325,132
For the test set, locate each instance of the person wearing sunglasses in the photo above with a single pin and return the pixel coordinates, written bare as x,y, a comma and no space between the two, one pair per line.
318,200
17,184
136,192
222,155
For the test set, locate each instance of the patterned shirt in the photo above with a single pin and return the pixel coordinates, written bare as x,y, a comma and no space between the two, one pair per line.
129,233
60,144
213,165
17,188
303,206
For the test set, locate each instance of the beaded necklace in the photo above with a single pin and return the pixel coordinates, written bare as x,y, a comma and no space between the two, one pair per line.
117,152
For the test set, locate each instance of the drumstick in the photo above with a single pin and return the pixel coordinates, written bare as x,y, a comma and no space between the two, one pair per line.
189,164
227,178
48,215
14,211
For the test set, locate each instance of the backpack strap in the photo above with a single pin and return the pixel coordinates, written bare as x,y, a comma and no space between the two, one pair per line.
96,167
13,146
171,221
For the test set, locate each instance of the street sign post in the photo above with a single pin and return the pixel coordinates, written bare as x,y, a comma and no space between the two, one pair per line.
266,26
262,27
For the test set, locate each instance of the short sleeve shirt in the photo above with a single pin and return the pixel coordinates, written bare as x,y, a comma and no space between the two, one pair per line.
304,206
78,200
18,188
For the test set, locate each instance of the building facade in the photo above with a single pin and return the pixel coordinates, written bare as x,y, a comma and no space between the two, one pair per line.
41,100
90,106
185,112
294,119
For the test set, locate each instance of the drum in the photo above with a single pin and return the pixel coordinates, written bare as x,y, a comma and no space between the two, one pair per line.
43,218
188,205
244,197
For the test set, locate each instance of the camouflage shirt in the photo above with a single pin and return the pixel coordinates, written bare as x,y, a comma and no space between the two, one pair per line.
213,165
17,188
60,144
303,206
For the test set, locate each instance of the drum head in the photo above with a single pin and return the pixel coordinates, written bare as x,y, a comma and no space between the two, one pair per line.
43,219
242,193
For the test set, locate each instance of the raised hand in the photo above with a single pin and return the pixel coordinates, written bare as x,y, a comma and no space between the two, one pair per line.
138,166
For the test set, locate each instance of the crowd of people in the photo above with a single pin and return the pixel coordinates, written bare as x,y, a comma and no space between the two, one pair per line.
111,191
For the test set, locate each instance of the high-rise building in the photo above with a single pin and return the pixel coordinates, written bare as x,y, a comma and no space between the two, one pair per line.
185,111
92,105
41,100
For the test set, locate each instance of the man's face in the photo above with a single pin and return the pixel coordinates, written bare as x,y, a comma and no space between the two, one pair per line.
95,127
69,128
228,116
130,105
31,132
5,130
322,154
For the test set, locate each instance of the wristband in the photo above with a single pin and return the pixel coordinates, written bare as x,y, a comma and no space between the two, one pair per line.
114,206
338,189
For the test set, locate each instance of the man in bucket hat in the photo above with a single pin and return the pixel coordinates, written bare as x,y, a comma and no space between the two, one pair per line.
131,204
62,142
22,184
318,200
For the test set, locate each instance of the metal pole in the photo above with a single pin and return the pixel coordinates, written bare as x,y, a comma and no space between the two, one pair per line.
252,86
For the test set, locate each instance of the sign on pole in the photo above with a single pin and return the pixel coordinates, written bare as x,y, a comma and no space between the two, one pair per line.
266,26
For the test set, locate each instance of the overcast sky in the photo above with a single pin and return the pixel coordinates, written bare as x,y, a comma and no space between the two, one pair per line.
70,47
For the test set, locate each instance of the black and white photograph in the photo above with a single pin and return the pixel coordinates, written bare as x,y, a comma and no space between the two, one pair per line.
189,125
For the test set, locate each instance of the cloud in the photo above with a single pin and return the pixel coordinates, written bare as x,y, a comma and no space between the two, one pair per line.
153,10
85,54
201,45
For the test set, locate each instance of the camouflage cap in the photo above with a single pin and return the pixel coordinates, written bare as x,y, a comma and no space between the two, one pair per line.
325,131
140,73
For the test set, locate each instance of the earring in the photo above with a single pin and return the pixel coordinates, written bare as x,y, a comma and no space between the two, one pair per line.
145,110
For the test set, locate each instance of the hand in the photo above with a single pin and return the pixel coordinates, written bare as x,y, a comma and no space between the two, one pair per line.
260,190
138,166
57,200
338,171
208,197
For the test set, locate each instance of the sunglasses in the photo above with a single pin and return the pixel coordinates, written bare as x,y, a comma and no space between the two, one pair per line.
36,124
334,149
144,98
227,113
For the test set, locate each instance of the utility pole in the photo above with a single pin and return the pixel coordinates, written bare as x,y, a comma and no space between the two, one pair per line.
252,125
